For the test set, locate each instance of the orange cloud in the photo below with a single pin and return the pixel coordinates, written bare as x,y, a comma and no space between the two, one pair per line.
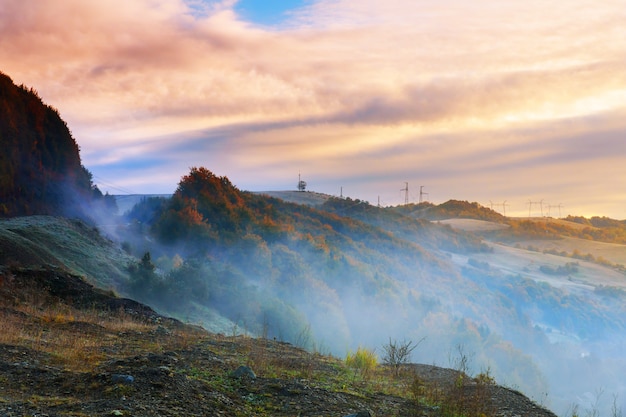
356,81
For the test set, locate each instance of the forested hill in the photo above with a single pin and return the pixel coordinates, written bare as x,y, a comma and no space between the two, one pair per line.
450,209
345,273
40,166
329,278
295,266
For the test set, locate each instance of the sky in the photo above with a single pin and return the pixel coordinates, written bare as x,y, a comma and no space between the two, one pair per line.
500,102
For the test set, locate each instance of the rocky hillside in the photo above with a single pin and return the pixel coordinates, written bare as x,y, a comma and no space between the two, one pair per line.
67,348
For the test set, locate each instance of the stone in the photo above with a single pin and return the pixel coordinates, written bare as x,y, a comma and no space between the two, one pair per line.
122,379
244,372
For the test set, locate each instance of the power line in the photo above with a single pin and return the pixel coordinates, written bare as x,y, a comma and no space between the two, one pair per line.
109,184
503,205
559,207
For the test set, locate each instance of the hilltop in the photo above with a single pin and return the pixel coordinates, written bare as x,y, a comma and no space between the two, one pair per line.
309,198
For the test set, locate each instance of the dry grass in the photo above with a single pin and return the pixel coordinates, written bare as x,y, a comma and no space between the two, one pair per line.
79,340
65,334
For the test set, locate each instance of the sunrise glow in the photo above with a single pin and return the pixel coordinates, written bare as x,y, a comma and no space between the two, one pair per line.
495,100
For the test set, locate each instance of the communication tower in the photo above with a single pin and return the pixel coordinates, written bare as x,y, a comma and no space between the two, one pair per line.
301,184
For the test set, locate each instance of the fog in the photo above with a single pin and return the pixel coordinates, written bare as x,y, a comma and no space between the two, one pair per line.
330,284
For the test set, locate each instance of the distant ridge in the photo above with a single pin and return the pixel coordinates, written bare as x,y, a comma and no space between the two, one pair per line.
125,202
309,198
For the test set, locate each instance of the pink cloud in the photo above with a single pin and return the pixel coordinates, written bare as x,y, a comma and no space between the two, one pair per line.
127,74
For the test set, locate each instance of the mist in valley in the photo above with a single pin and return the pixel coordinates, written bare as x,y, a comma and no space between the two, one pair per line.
348,274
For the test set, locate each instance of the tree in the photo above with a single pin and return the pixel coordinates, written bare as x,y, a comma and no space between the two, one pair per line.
144,281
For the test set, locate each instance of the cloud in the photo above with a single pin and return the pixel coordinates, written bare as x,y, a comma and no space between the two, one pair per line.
346,89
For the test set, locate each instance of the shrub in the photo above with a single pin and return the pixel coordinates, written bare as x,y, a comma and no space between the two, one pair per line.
399,353
362,362
567,269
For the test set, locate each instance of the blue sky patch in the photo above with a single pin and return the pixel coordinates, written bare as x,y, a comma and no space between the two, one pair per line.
266,12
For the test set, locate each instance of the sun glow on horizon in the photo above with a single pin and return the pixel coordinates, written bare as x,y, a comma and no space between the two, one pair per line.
480,99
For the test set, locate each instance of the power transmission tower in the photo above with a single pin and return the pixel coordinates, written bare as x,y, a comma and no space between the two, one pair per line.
530,205
422,193
559,207
504,208
503,205
406,193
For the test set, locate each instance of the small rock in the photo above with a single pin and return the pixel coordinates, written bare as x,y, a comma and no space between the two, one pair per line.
122,379
243,372
162,331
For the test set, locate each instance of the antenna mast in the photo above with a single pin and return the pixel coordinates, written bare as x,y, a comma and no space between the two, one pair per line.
301,184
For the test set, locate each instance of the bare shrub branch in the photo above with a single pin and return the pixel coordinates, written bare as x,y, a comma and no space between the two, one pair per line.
399,353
